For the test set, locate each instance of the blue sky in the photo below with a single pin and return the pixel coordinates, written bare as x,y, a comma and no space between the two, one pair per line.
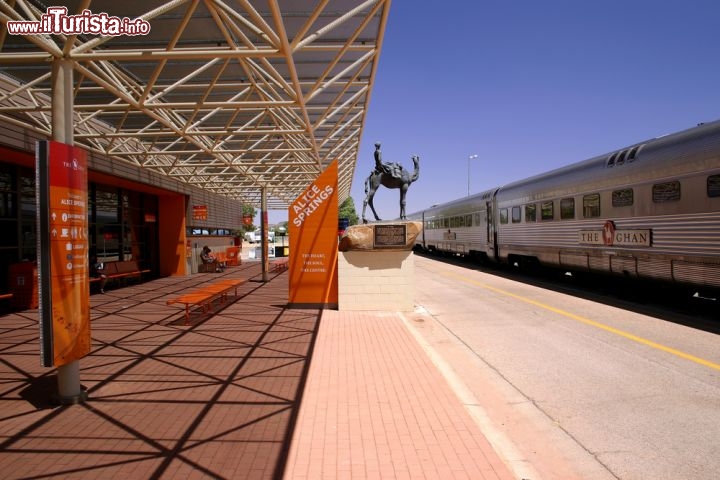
530,86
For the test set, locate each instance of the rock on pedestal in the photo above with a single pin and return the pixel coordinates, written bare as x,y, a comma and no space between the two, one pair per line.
399,235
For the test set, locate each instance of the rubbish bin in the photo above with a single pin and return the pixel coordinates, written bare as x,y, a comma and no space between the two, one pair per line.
23,281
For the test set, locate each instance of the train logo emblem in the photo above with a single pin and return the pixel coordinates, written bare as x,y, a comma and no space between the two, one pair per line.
610,236
608,232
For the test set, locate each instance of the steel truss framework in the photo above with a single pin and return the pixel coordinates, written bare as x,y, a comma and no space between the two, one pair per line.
230,96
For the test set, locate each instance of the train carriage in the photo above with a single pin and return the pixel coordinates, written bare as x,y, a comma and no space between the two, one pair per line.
459,227
651,211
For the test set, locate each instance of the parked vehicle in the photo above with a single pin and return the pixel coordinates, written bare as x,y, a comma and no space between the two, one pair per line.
255,236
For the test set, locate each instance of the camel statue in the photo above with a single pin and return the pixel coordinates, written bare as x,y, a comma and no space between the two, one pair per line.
390,175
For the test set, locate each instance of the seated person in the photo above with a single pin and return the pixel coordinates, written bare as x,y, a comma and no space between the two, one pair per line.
208,257
97,270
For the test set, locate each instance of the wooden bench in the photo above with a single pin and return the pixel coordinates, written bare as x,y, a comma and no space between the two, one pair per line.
121,269
279,264
203,296
217,265
4,296
207,267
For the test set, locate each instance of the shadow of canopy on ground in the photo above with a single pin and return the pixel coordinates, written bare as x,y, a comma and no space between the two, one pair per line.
217,398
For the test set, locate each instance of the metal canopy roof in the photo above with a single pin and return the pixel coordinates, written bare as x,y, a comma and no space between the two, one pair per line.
230,96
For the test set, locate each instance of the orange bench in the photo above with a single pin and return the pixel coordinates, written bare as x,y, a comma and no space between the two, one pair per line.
204,296
5,295
121,269
220,261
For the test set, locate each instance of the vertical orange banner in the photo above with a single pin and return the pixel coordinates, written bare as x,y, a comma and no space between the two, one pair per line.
64,268
313,220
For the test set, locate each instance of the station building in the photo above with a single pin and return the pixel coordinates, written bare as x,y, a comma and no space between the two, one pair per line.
133,214
204,109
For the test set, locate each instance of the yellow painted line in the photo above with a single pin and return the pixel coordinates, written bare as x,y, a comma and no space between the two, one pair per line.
592,323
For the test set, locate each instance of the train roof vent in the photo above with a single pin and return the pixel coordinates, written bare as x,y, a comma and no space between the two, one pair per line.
628,155
632,154
621,157
611,160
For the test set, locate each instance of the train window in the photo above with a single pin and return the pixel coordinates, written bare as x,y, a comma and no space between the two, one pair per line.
567,208
446,222
503,216
530,212
713,186
468,220
622,198
460,219
515,214
591,205
666,192
546,211
476,219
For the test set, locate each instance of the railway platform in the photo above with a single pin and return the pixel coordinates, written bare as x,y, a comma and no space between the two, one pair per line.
252,390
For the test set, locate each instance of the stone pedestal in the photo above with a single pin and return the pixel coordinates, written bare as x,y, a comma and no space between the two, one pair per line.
376,267
376,280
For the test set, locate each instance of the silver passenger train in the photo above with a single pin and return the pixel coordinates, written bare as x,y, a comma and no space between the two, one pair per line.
649,211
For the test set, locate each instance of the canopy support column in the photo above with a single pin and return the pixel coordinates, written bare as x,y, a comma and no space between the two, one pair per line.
264,230
68,376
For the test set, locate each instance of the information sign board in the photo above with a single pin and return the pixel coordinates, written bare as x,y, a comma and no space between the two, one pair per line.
313,220
62,211
200,212
389,236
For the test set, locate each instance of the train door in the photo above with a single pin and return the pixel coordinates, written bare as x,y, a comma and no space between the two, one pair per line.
491,232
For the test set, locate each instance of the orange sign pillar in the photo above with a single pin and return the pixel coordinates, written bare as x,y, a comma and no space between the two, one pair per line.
312,227
64,277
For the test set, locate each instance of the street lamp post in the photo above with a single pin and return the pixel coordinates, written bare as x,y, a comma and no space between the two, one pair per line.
468,176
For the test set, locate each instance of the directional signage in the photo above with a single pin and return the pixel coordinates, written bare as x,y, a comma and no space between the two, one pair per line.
61,181
313,221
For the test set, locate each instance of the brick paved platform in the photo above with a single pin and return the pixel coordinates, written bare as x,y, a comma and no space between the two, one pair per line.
252,390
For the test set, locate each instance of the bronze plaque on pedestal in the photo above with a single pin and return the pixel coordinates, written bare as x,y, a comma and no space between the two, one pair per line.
390,236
